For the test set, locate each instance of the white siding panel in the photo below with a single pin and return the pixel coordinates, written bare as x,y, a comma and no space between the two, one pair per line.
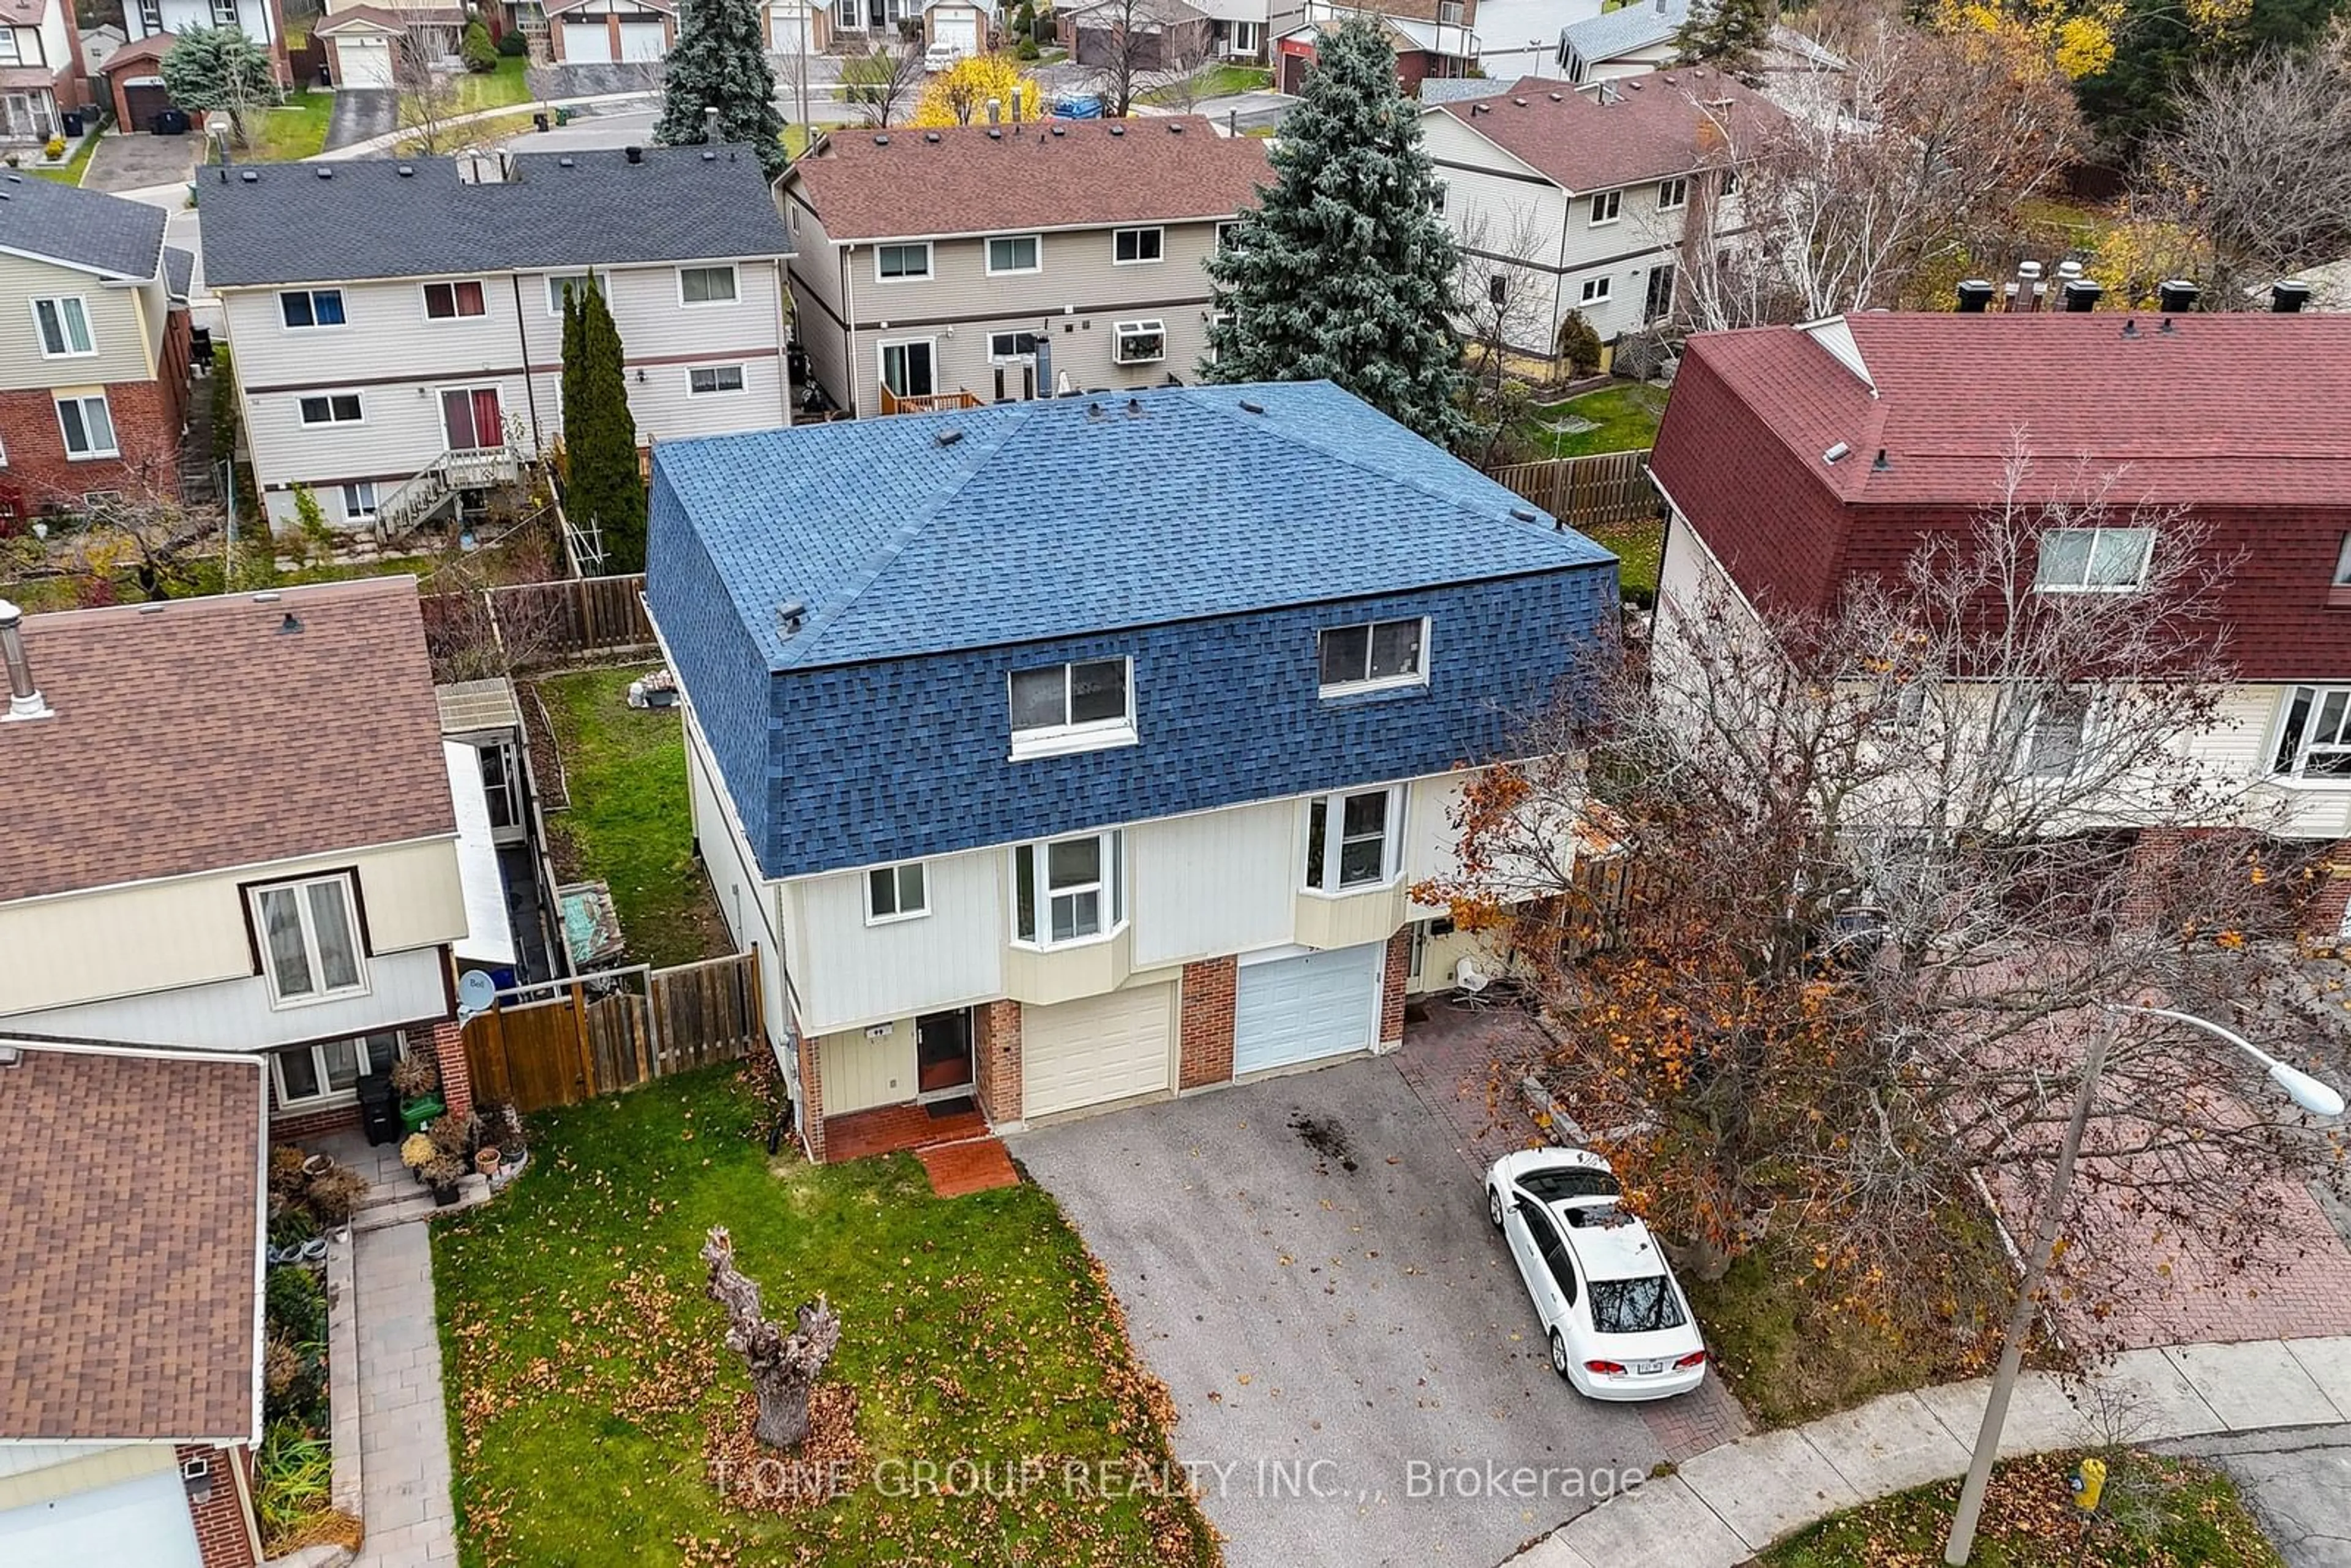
236,1015
1220,882
852,973
1431,840
749,903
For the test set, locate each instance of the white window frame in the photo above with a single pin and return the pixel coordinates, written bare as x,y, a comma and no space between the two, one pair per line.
1118,239
1597,290
741,388
2303,746
1730,181
12,53
559,284
2082,734
311,295
2089,558
1228,234
923,277
424,295
354,512
300,888
2342,564
734,287
59,303
987,254
225,13
328,1095
882,363
900,909
1089,735
1152,326
1109,889
1673,195
1325,880
302,412
113,447
150,17
1370,683
1607,207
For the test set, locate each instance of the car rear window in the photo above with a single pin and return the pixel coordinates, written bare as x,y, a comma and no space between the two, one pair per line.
1636,1306
1558,1186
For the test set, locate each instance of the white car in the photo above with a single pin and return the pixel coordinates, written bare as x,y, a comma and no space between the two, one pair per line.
1618,1323
941,57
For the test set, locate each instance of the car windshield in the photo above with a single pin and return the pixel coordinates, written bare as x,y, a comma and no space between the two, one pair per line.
1564,1182
1636,1306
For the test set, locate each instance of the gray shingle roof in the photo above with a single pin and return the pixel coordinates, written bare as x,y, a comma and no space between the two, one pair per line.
179,270
292,223
80,228
1629,28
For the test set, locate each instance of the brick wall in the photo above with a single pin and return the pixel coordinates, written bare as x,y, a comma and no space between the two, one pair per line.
146,417
1205,1028
2153,857
1399,966
456,1078
2324,918
997,1055
312,1124
812,1097
224,1531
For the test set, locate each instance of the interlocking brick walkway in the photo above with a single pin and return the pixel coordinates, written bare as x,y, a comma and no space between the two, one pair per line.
403,1424
976,1166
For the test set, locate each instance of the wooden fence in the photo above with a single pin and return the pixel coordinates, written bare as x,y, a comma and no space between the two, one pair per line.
1595,491
563,1042
540,625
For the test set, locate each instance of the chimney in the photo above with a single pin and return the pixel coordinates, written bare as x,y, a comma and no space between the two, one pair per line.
995,111
24,699
2288,298
633,154
2024,294
1016,106
710,123
2082,294
1975,297
2176,296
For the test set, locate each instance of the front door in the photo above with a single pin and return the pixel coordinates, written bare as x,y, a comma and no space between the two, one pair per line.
1660,302
472,418
943,1053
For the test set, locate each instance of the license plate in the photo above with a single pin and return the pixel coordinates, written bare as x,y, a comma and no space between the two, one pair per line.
1648,1368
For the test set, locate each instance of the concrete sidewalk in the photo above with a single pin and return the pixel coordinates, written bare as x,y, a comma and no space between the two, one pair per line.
1724,1506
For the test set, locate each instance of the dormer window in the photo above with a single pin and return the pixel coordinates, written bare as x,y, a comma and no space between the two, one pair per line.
1080,706
2092,560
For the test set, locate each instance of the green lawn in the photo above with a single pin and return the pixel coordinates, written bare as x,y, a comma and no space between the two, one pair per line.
294,130
1624,419
70,172
1214,81
628,824
583,1360
1638,547
492,89
2155,1512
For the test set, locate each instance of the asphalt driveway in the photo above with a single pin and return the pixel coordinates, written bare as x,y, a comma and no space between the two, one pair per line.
1306,1263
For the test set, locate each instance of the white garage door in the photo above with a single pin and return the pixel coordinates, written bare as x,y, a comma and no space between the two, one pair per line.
1289,1010
786,30
587,44
1093,1051
365,62
643,40
143,1521
962,30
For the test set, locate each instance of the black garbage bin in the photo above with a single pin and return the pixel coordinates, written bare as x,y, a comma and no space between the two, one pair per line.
379,1109
539,122
326,77
69,124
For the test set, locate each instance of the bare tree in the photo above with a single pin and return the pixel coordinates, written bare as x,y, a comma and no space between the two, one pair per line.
1506,310
784,1365
880,82
1136,51
425,97
1865,877
1918,154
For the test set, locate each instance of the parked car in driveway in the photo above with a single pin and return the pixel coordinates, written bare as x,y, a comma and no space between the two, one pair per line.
1619,1326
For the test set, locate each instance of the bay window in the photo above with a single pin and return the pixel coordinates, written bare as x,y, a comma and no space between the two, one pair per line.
1353,840
308,939
1069,890
2314,734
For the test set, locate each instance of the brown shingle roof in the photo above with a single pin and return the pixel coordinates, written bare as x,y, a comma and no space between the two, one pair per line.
146,51
910,183
199,734
132,1192
1659,123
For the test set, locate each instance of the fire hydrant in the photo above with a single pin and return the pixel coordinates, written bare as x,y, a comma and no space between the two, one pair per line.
2089,1482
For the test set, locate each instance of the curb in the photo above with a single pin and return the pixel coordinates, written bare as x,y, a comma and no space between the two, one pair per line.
1721,1508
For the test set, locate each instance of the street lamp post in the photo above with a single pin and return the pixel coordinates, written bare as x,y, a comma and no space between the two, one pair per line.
2297,1085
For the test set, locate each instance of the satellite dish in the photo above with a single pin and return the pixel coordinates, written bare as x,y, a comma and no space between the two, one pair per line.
475,992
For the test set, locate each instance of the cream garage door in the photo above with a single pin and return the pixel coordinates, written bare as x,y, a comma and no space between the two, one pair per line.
587,44
1306,1007
143,1521
787,30
1089,1052
365,62
644,40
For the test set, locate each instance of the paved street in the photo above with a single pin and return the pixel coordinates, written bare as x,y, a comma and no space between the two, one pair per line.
2299,1484
404,1425
1306,1263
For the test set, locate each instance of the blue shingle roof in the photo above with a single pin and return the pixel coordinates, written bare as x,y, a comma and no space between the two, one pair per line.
1021,522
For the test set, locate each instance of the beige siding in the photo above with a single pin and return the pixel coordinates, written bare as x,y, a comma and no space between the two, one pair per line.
859,1072
852,973
1431,840
1216,883
159,935
749,903
236,1015
122,347
42,1472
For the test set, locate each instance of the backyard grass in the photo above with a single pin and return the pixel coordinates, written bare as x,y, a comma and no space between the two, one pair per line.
2156,1511
1638,547
1623,418
492,89
1216,81
586,1367
294,130
628,824
796,136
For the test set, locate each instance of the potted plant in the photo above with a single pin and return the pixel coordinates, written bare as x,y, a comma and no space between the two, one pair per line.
486,1159
417,1082
416,1152
441,1174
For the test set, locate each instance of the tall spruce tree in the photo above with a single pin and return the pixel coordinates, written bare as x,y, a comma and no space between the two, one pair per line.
1728,32
720,61
1346,271
600,435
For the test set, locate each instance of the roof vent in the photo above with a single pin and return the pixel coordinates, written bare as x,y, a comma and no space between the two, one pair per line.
1519,102
633,154
1556,99
1250,405
790,616
1135,408
1061,131
931,136
1118,130
248,176
994,135
881,141
1093,411
708,156
2082,294
567,161
326,171
290,625
408,170
948,437
2176,296
1975,295
2131,328
1835,452
1881,465
24,699
2288,298
10,1056
1174,128
1524,514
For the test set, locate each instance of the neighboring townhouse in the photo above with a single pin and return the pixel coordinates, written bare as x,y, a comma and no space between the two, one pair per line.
369,45
41,71
611,32
1628,41
1800,461
1239,29
130,1377
236,833
994,263
962,25
1591,190
1430,37
1167,37
794,27
263,21
1072,753
398,323
93,350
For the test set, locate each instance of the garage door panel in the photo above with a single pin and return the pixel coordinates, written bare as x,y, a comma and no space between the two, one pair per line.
787,32
963,32
642,41
1305,1007
365,62
587,44
1090,1052
143,1521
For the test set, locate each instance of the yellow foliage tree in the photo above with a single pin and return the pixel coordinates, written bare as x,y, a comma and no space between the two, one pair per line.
2133,258
2076,35
959,95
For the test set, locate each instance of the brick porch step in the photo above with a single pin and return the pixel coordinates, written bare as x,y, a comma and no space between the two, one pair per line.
977,1165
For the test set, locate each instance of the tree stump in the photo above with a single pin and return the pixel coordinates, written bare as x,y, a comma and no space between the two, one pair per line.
784,1366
